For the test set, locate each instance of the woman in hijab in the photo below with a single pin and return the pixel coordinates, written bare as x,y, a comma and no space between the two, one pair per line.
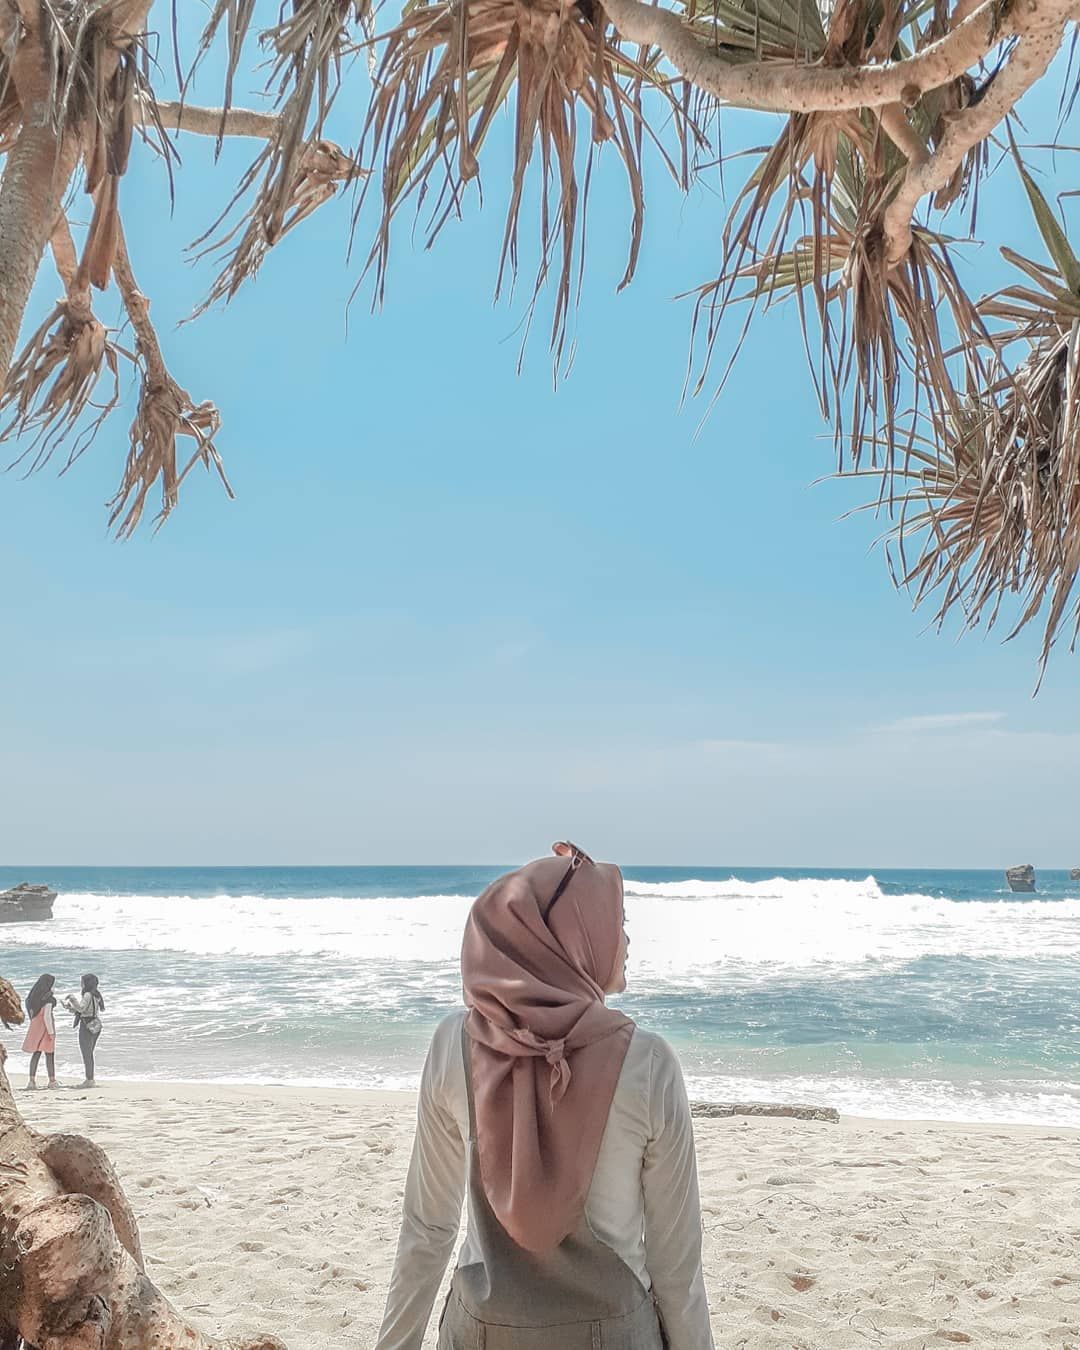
41,1033
570,1129
87,1005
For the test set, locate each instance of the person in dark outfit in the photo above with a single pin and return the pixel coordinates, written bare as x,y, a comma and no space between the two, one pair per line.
87,1005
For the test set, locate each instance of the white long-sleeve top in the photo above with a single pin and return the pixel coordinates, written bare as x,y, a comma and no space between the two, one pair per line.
643,1202
83,1004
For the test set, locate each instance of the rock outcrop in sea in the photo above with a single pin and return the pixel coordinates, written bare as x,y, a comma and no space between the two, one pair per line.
1021,878
26,903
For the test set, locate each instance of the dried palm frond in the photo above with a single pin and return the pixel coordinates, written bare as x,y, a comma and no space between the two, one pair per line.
807,224
98,68
165,413
792,32
996,505
313,178
96,82
800,168
448,68
884,331
52,382
785,30
807,221
910,328
298,168
809,143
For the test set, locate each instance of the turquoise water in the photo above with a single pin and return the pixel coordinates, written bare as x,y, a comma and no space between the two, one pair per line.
914,993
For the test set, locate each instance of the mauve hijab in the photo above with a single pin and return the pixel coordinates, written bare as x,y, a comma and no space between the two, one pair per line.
546,1053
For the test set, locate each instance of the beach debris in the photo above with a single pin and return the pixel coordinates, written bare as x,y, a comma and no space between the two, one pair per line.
719,1110
1021,878
26,903
70,1243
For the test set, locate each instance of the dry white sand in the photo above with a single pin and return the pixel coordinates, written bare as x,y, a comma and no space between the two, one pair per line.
277,1209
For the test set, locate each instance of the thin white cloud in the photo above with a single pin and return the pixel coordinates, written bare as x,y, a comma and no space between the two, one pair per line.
735,746
963,721
514,651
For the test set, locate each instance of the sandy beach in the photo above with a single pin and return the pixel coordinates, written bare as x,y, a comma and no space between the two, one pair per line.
277,1209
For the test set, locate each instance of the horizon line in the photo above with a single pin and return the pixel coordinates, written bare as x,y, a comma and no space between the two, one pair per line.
682,866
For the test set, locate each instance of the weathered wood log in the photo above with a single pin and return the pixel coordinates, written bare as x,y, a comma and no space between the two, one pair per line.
713,1110
71,1269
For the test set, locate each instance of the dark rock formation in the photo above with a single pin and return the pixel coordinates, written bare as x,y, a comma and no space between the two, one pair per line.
25,903
1021,878
1074,875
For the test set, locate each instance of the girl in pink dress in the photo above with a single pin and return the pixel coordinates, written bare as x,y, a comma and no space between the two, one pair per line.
41,1034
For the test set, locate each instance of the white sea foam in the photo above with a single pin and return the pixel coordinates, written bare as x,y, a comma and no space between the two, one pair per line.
781,989
690,927
807,922
424,928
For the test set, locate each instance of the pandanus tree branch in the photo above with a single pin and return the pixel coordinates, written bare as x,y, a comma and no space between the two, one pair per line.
71,91
1026,65
790,87
895,124
225,122
887,88
888,113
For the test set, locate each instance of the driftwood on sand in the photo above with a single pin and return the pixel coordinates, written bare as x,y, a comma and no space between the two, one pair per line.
713,1110
71,1266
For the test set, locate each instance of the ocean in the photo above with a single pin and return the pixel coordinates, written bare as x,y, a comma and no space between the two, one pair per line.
902,993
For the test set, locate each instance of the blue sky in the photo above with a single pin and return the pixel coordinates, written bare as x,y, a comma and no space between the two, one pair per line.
453,613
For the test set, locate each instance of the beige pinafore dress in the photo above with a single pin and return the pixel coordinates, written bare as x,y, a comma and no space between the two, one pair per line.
580,1296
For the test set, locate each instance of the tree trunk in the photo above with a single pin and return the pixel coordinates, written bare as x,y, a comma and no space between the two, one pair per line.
39,168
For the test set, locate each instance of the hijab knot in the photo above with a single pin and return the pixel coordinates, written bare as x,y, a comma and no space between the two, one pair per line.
554,1053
